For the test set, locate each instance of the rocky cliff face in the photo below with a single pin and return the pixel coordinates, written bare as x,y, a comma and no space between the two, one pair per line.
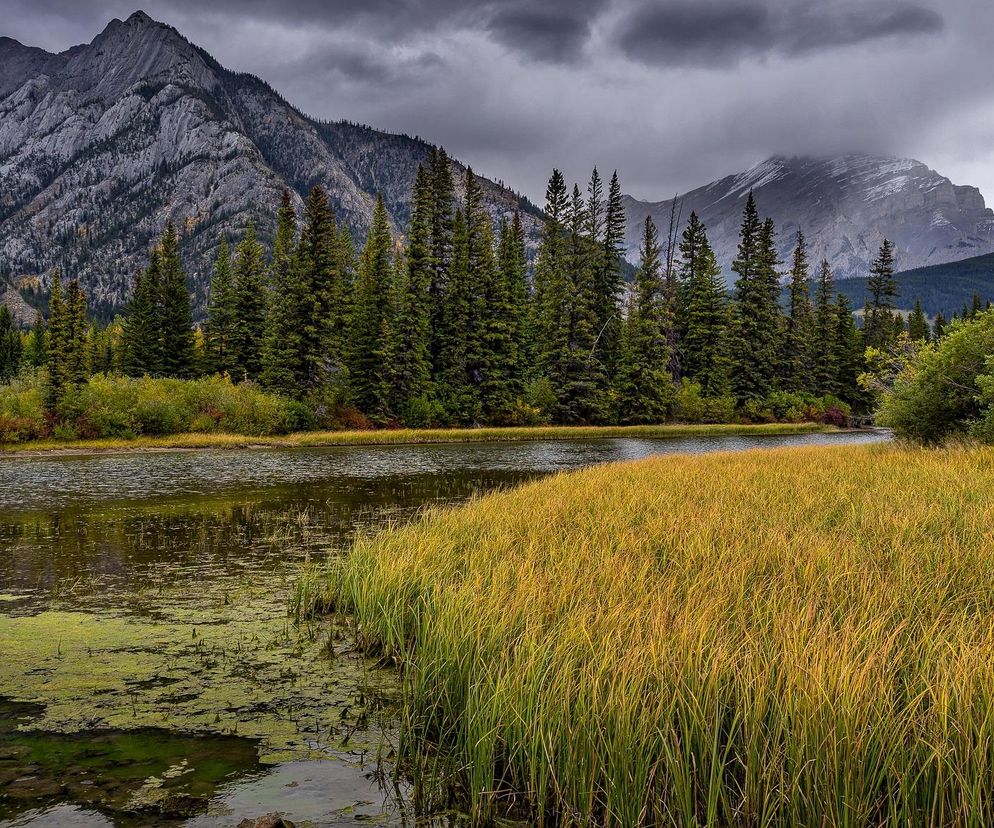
846,206
102,144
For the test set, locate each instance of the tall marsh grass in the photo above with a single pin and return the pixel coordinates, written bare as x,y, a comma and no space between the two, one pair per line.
798,637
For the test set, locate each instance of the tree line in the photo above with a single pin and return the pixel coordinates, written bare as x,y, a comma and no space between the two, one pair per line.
457,322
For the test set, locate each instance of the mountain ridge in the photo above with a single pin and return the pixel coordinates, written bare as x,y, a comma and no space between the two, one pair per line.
845,205
103,143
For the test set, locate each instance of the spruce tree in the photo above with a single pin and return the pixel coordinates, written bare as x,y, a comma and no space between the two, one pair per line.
58,326
549,307
918,324
849,347
645,384
412,361
939,328
36,349
141,335
442,198
76,334
878,328
798,354
176,315
370,334
250,306
825,368
757,311
609,235
10,346
324,312
705,346
501,358
282,360
221,315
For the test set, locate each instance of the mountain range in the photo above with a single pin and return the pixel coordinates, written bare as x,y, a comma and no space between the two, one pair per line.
102,143
845,205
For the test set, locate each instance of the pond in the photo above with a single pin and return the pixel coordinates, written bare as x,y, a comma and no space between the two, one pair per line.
150,671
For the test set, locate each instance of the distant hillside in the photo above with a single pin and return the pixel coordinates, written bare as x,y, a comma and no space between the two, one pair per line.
944,287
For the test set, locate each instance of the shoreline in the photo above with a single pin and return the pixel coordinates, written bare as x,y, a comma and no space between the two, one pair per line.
332,439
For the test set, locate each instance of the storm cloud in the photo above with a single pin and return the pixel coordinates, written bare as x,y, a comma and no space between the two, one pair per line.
674,93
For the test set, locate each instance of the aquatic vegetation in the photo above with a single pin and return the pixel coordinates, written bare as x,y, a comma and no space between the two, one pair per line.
798,637
404,436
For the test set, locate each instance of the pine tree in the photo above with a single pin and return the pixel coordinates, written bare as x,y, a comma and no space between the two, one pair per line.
758,315
282,360
939,328
370,335
325,303
878,328
10,346
501,359
141,335
456,391
798,360
76,334
222,315
250,306
36,349
705,337
513,267
412,360
442,197
609,234
849,347
549,315
918,324
176,315
59,336
645,385
825,369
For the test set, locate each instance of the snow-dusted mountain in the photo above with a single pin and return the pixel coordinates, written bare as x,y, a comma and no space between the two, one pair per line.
100,144
845,206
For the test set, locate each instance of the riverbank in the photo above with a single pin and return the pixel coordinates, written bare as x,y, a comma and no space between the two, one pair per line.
786,637
319,439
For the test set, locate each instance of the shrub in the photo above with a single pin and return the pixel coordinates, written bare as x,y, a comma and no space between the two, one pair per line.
943,390
691,406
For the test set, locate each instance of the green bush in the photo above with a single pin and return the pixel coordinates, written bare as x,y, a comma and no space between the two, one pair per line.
945,390
22,411
691,406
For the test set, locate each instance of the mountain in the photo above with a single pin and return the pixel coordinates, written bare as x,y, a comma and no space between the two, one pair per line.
845,205
101,144
944,288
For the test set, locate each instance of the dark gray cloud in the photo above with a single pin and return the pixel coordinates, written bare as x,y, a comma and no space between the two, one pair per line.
674,93
720,34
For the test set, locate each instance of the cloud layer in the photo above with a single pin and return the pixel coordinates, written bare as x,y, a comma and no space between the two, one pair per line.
674,93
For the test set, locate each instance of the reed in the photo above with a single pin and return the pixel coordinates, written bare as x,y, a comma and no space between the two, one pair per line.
796,637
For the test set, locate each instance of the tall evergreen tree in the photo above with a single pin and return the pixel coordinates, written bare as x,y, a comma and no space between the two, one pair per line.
878,328
645,384
939,328
412,358
250,306
758,315
705,345
918,324
457,392
282,359
222,315
36,349
325,308
370,335
549,314
59,342
10,346
609,235
141,335
798,355
825,369
175,313
76,333
849,347
501,316
442,230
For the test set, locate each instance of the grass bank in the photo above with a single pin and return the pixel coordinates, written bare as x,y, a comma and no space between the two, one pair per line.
313,439
798,637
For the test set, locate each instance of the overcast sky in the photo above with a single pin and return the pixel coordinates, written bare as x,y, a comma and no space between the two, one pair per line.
672,93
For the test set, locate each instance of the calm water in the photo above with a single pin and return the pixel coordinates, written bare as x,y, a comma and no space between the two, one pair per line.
149,674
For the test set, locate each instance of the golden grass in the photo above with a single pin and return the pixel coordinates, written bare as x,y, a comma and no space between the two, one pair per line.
797,637
315,439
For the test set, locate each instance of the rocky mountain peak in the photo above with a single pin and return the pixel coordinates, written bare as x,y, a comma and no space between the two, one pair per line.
846,205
